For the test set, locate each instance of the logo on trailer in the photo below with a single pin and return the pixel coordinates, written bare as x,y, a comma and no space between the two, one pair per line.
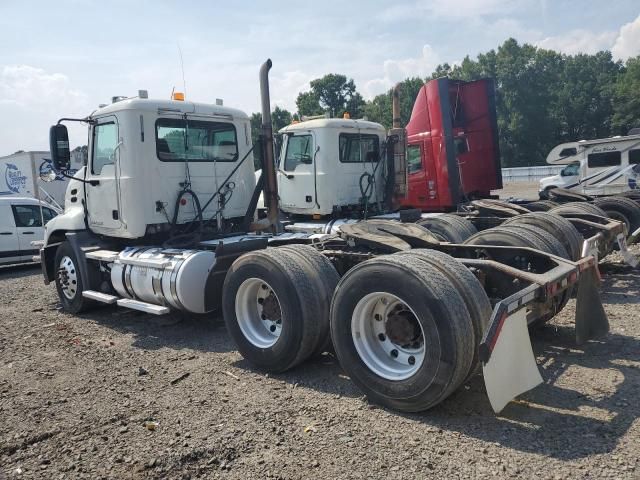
46,167
14,179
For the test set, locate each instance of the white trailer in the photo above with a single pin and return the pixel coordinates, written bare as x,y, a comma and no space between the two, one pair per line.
21,176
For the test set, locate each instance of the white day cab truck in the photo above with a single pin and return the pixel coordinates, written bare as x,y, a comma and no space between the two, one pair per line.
162,218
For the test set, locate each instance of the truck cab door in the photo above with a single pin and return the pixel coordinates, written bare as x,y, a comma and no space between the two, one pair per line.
296,174
103,196
9,243
416,177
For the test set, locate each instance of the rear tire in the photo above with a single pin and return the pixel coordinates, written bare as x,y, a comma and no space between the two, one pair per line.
556,226
69,281
449,228
321,272
469,287
411,303
526,236
623,209
271,309
541,206
579,208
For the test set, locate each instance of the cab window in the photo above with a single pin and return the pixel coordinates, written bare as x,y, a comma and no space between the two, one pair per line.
29,215
179,140
634,157
299,151
414,160
105,141
359,148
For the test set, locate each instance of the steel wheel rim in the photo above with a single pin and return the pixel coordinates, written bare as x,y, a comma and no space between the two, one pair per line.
378,346
259,313
68,278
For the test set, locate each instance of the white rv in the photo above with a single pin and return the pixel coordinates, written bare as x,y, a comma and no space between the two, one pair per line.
22,173
606,166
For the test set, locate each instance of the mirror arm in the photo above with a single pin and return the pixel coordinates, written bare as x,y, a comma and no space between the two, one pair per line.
84,120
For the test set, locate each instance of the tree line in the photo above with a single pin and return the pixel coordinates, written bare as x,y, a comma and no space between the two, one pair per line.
543,98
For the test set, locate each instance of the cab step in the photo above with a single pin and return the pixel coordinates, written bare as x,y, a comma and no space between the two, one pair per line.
99,296
142,306
102,255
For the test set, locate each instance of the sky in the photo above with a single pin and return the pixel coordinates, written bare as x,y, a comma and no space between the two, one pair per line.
63,58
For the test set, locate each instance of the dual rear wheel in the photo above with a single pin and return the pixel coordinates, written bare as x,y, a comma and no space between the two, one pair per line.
405,327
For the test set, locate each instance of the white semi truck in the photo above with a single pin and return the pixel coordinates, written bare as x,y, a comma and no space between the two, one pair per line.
162,218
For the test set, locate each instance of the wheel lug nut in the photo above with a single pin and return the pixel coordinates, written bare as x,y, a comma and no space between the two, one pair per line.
394,353
412,360
382,337
263,286
261,301
377,317
272,328
263,316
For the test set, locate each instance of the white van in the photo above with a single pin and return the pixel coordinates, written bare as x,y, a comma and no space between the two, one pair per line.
607,166
21,222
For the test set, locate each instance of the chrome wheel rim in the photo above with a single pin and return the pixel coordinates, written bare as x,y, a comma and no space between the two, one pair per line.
258,312
68,278
388,336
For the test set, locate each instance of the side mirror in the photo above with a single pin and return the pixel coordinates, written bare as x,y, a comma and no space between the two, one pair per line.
59,146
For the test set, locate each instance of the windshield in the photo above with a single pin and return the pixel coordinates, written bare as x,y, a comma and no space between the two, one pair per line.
571,170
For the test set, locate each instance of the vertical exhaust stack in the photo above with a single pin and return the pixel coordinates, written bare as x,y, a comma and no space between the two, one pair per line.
398,161
395,105
269,166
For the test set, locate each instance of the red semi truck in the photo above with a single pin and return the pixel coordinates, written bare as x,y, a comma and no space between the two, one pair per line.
452,145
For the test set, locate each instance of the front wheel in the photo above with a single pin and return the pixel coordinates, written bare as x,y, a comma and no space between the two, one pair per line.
69,281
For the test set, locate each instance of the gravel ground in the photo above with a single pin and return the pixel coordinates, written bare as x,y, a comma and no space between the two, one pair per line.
119,394
524,190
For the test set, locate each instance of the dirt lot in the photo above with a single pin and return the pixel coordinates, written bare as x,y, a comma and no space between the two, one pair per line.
77,396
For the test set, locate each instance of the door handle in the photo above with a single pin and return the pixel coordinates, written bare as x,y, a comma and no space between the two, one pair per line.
28,233
6,233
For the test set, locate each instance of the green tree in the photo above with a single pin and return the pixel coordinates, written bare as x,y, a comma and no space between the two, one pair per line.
379,108
280,118
626,98
334,94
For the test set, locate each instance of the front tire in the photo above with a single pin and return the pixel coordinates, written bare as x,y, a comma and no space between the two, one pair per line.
69,281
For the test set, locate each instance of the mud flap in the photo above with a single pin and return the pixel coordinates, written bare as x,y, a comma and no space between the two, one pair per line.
628,257
511,368
591,319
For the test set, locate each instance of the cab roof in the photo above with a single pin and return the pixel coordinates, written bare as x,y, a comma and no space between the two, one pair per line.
334,123
172,106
